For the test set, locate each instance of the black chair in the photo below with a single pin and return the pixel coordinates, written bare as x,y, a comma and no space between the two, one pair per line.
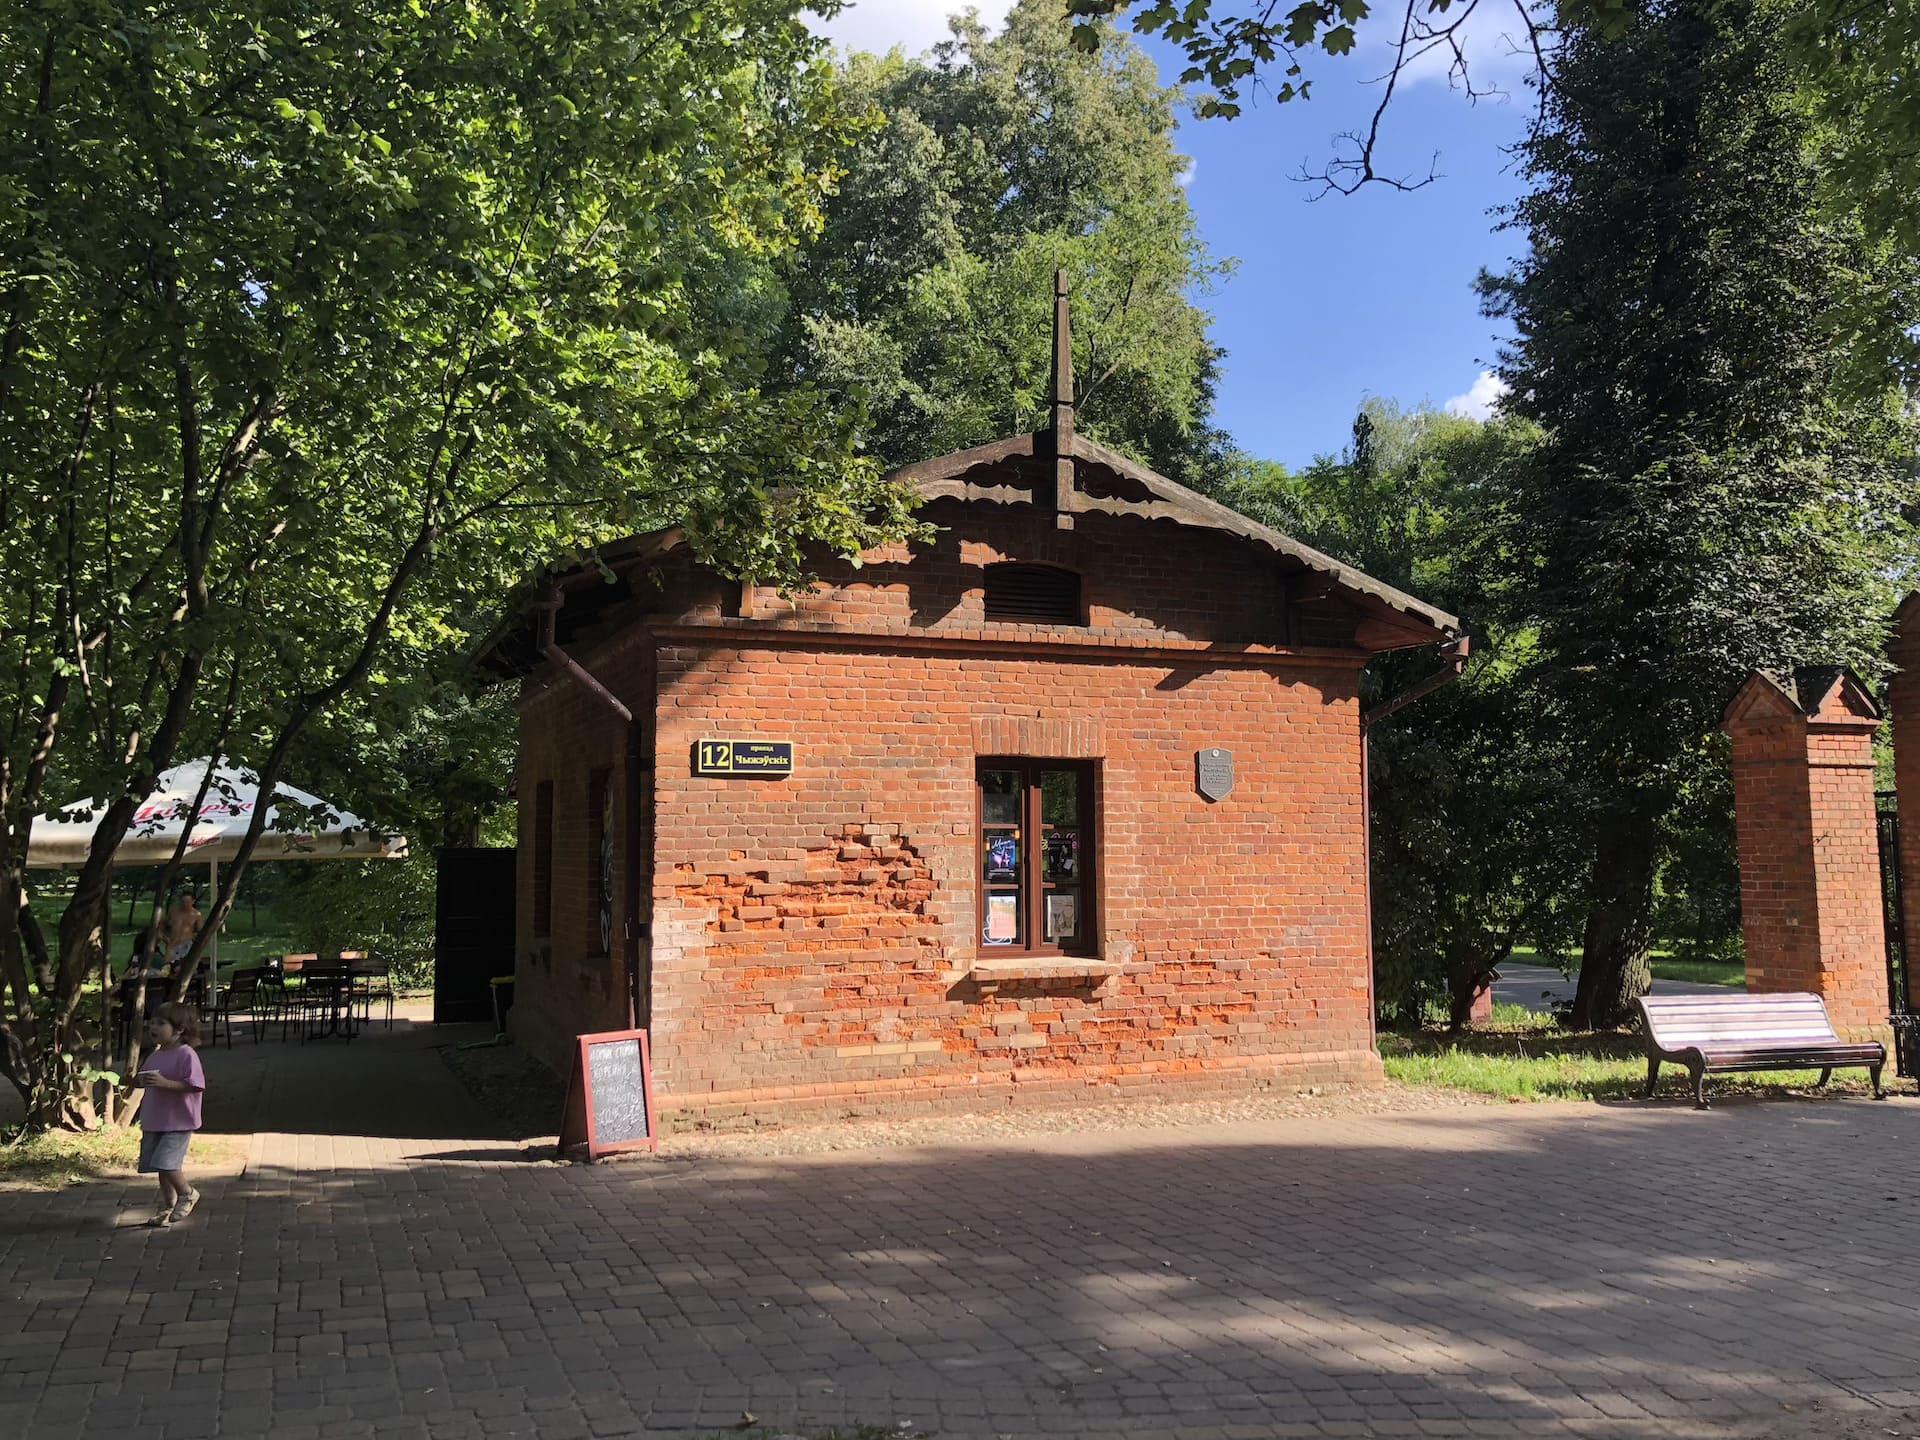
271,989
372,981
127,993
285,982
244,994
325,1001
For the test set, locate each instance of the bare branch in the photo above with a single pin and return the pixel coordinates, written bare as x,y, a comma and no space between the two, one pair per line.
1348,172
1346,175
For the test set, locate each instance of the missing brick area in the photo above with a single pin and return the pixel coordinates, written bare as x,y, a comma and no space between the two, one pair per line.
867,887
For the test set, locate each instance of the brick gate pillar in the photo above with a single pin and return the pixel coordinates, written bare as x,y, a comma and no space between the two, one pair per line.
1903,718
1810,908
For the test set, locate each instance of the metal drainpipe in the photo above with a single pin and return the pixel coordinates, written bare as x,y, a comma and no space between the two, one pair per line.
550,650
1456,654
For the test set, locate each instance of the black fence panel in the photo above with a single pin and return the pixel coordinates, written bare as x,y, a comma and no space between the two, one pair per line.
1900,997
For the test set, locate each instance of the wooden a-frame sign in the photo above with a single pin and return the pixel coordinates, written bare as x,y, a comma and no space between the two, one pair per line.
609,1105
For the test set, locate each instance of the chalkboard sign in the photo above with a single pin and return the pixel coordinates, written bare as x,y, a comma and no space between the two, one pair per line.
610,1095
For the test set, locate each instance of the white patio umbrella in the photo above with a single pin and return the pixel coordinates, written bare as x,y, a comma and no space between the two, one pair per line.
299,826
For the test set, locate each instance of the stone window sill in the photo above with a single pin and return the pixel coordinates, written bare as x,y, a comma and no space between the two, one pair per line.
991,973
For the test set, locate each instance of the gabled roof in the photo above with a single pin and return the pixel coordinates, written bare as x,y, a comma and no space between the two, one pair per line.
1059,470
1056,467
1803,692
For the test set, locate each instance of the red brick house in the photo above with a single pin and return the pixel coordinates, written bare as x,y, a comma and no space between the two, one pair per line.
1075,800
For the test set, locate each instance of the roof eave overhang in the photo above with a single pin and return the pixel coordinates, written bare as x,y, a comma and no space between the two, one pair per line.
953,477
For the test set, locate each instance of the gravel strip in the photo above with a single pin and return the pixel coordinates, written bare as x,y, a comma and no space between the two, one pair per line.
1011,1124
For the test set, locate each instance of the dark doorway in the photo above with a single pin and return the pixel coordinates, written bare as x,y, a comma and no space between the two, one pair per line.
473,931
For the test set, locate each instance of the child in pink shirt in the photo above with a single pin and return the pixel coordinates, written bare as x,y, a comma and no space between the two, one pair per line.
173,1084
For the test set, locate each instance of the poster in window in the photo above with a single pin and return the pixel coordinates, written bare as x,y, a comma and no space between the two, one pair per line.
1003,857
1063,855
1063,917
1003,919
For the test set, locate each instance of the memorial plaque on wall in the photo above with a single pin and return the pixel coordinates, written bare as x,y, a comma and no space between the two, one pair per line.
1213,773
609,1104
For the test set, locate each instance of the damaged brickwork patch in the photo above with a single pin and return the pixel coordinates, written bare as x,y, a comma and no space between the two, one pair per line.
869,887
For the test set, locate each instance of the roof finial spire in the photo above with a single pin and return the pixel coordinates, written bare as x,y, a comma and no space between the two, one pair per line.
1061,416
1062,396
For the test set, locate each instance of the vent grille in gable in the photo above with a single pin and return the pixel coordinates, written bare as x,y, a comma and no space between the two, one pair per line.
1033,594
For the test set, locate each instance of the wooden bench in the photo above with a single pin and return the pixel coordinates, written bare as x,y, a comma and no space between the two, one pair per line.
1712,1034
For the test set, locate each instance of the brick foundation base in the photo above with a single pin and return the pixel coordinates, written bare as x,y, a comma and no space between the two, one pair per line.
910,1096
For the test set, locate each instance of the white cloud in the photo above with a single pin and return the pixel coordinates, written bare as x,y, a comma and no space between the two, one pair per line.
914,25
1481,397
1188,165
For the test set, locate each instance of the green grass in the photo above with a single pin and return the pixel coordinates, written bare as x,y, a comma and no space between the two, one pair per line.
1505,1017
60,1159
247,937
1702,972
1519,1019
1541,1063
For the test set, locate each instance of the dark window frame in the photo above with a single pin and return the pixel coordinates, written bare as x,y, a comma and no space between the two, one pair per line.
543,860
599,898
1032,886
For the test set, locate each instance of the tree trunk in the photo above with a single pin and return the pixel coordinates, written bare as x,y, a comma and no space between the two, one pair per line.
16,984
1467,987
1619,930
1471,971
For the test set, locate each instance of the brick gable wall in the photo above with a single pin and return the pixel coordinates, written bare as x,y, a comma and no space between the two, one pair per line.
1239,927
813,938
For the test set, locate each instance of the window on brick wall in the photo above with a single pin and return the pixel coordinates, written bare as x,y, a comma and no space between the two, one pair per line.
543,859
1038,857
1033,595
600,859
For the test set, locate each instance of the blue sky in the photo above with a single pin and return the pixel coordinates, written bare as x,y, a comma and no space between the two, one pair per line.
1343,297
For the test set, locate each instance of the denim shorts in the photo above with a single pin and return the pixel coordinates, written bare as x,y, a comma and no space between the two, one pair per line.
163,1150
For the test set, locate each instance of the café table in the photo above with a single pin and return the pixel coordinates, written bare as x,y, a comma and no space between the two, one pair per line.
326,1002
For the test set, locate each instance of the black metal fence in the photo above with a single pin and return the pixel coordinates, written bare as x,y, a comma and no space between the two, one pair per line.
1900,996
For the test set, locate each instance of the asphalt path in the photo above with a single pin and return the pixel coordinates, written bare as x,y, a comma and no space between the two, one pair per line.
1541,987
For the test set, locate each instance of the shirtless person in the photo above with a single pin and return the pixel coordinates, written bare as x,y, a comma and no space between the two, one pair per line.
183,923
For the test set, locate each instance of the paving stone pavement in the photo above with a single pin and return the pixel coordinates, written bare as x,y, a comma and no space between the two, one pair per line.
1521,1271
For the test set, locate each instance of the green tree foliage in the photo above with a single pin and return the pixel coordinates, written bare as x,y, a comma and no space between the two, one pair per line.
432,758
383,907
1724,451
928,294
317,327
1475,846
1856,61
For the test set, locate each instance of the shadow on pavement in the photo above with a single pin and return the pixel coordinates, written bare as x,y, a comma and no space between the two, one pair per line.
1628,1272
383,1083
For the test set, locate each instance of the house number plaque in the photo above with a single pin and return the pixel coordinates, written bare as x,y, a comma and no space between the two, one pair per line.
733,758
1213,772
